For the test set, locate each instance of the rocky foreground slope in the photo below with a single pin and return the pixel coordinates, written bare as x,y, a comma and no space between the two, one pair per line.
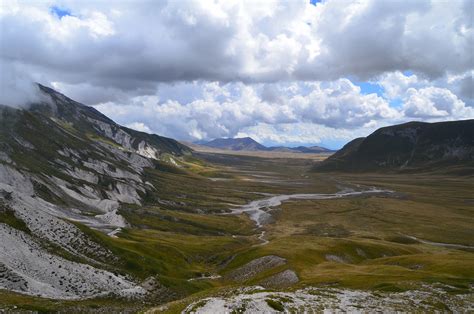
411,146
63,165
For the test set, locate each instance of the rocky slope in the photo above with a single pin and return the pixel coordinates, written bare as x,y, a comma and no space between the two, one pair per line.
411,146
63,165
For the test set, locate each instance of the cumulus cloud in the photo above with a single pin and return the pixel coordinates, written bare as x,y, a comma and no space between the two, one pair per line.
202,69
433,102
366,38
139,126
303,112
340,104
396,85
224,111
138,43
296,134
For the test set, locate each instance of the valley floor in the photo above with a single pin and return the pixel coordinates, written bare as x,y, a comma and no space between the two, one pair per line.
241,233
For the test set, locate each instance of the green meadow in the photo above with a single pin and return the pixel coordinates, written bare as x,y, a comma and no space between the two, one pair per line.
185,238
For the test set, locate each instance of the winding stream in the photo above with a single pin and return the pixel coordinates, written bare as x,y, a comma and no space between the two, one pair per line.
259,210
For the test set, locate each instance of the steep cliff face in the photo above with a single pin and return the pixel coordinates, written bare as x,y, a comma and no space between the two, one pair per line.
63,164
410,146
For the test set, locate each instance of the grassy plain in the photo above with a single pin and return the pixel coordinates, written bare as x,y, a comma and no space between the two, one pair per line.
258,153
184,232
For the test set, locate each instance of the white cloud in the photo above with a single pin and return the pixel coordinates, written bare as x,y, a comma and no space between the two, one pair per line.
433,102
180,67
290,112
139,126
96,23
224,111
127,45
340,104
300,133
396,85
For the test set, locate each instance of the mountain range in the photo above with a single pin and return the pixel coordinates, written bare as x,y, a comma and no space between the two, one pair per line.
413,146
249,144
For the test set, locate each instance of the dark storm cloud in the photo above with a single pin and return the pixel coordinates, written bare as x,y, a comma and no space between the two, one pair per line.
466,90
371,37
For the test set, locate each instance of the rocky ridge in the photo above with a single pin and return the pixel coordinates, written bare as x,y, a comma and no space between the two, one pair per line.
63,165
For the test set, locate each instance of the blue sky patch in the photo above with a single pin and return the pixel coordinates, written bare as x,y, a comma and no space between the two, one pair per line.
396,103
370,88
314,2
60,12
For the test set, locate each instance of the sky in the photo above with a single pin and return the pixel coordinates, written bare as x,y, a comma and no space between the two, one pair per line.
282,72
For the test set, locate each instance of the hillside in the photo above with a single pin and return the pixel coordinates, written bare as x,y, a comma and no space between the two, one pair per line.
412,146
65,168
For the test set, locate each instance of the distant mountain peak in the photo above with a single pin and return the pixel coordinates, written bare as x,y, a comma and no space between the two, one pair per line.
243,143
249,144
